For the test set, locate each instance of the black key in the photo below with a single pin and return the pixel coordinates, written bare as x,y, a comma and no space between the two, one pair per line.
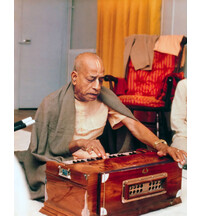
132,153
78,161
120,155
90,159
112,156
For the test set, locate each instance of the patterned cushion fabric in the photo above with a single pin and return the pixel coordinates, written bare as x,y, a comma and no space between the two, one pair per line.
176,78
149,83
138,100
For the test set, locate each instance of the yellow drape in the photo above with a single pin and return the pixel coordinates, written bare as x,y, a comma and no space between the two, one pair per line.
118,19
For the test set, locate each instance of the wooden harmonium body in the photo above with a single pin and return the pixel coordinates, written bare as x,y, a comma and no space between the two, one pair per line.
126,184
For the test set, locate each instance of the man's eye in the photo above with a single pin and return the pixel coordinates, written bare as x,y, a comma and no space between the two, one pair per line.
90,80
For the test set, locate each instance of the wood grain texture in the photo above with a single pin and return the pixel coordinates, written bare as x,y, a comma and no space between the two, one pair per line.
85,193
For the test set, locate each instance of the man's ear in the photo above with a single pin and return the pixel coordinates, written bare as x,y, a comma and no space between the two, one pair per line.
74,77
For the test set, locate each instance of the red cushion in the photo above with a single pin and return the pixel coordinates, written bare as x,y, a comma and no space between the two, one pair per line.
149,83
137,100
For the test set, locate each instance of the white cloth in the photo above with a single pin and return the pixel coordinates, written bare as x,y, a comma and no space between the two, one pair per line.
23,205
21,140
179,116
21,194
91,119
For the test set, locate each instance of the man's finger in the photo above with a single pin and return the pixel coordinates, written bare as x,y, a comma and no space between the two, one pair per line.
161,153
100,152
181,156
174,155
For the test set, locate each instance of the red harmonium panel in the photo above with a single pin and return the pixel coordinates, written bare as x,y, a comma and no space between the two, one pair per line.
131,183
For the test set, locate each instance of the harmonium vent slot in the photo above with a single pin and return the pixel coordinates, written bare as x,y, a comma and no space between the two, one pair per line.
143,187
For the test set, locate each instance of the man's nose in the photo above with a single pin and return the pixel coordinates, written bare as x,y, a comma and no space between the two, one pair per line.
97,85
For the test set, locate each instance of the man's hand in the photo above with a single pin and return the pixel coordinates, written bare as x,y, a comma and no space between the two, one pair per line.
80,154
89,146
178,155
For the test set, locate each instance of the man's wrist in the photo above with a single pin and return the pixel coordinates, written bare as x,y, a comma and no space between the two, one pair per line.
157,142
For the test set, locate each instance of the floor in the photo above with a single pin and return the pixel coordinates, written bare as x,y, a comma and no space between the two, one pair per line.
22,114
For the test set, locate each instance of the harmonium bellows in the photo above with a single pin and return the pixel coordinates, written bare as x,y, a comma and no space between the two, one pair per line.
131,183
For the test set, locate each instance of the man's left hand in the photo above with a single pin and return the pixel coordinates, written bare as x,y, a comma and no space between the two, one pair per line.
177,154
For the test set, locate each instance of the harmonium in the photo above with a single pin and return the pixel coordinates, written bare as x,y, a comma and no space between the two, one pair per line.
131,183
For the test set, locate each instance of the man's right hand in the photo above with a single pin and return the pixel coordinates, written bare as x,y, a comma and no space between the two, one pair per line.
80,154
89,146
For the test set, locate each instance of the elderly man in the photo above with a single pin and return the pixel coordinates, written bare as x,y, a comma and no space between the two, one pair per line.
72,122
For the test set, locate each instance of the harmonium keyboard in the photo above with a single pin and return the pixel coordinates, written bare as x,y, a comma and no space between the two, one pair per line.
132,183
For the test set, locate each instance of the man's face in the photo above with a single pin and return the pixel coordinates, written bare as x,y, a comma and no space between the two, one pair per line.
88,80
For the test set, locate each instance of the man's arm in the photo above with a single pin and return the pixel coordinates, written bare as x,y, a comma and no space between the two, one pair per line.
147,137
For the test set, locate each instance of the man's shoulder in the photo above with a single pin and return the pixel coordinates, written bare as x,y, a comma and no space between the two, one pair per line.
182,83
181,87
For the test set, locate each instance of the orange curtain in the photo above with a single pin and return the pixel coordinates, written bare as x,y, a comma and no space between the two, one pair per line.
118,19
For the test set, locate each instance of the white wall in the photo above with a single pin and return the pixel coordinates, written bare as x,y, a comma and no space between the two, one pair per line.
174,20
174,17
17,18
84,24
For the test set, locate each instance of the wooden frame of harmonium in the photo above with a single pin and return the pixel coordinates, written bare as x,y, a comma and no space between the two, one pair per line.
131,183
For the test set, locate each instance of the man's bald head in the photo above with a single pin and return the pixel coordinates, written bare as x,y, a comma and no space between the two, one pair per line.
84,58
